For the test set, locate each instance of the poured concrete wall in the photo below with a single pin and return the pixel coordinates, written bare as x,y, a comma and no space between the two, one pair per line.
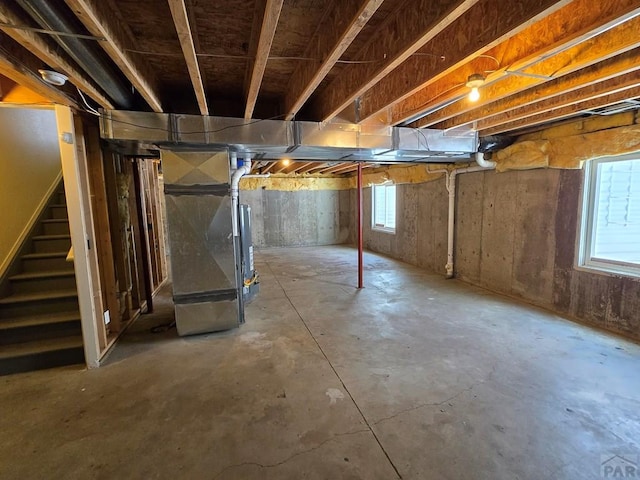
421,225
515,234
522,241
298,218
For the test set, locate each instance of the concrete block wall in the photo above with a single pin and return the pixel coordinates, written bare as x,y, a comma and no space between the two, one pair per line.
298,218
515,234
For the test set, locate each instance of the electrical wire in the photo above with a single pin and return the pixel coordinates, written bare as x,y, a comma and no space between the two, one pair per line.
492,58
275,57
162,129
52,32
90,110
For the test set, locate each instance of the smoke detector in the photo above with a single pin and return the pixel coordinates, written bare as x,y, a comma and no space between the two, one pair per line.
53,78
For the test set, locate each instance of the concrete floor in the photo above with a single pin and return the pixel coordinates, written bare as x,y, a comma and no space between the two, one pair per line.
414,376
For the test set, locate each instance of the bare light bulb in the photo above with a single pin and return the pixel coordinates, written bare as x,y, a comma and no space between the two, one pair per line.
474,82
286,162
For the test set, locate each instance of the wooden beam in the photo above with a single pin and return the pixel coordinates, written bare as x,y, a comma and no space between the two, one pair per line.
332,38
562,60
312,167
460,43
181,22
591,97
570,24
619,66
342,168
280,167
100,213
12,68
334,168
407,30
50,55
354,167
97,18
298,166
270,167
259,62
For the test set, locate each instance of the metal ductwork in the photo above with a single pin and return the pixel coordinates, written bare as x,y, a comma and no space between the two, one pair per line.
49,17
278,139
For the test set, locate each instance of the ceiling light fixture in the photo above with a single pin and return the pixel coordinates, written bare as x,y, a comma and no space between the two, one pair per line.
286,162
53,78
474,82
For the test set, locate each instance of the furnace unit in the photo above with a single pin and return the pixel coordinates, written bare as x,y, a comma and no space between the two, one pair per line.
212,269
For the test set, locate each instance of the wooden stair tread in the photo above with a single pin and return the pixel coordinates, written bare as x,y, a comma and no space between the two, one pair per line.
40,346
43,274
52,237
55,220
36,320
34,297
36,256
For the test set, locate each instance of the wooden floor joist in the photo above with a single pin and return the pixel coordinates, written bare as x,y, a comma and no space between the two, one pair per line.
566,111
97,18
531,72
50,56
411,26
460,43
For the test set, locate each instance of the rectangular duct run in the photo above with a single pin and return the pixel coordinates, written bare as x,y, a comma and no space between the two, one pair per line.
278,139
207,283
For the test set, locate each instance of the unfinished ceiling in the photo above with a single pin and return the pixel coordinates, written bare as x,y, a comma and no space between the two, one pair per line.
366,61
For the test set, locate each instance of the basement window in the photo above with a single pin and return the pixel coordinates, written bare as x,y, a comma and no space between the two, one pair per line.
610,233
384,207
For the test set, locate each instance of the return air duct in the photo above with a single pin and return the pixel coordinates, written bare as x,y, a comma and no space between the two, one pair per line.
49,17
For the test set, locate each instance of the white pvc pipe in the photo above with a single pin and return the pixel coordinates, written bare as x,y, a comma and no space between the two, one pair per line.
484,163
450,180
245,169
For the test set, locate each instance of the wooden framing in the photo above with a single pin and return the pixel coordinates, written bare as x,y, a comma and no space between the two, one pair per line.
259,61
620,65
269,167
297,166
181,22
576,22
404,33
545,67
51,56
97,18
566,111
102,242
354,167
16,71
442,55
592,91
112,163
334,35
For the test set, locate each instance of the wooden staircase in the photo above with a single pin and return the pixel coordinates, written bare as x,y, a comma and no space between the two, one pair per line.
39,313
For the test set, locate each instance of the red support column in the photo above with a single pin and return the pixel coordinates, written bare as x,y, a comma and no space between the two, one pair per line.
360,256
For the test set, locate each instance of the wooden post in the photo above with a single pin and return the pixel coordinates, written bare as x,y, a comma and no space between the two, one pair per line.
103,232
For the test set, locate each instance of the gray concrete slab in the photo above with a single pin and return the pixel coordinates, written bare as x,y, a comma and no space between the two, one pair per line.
413,376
